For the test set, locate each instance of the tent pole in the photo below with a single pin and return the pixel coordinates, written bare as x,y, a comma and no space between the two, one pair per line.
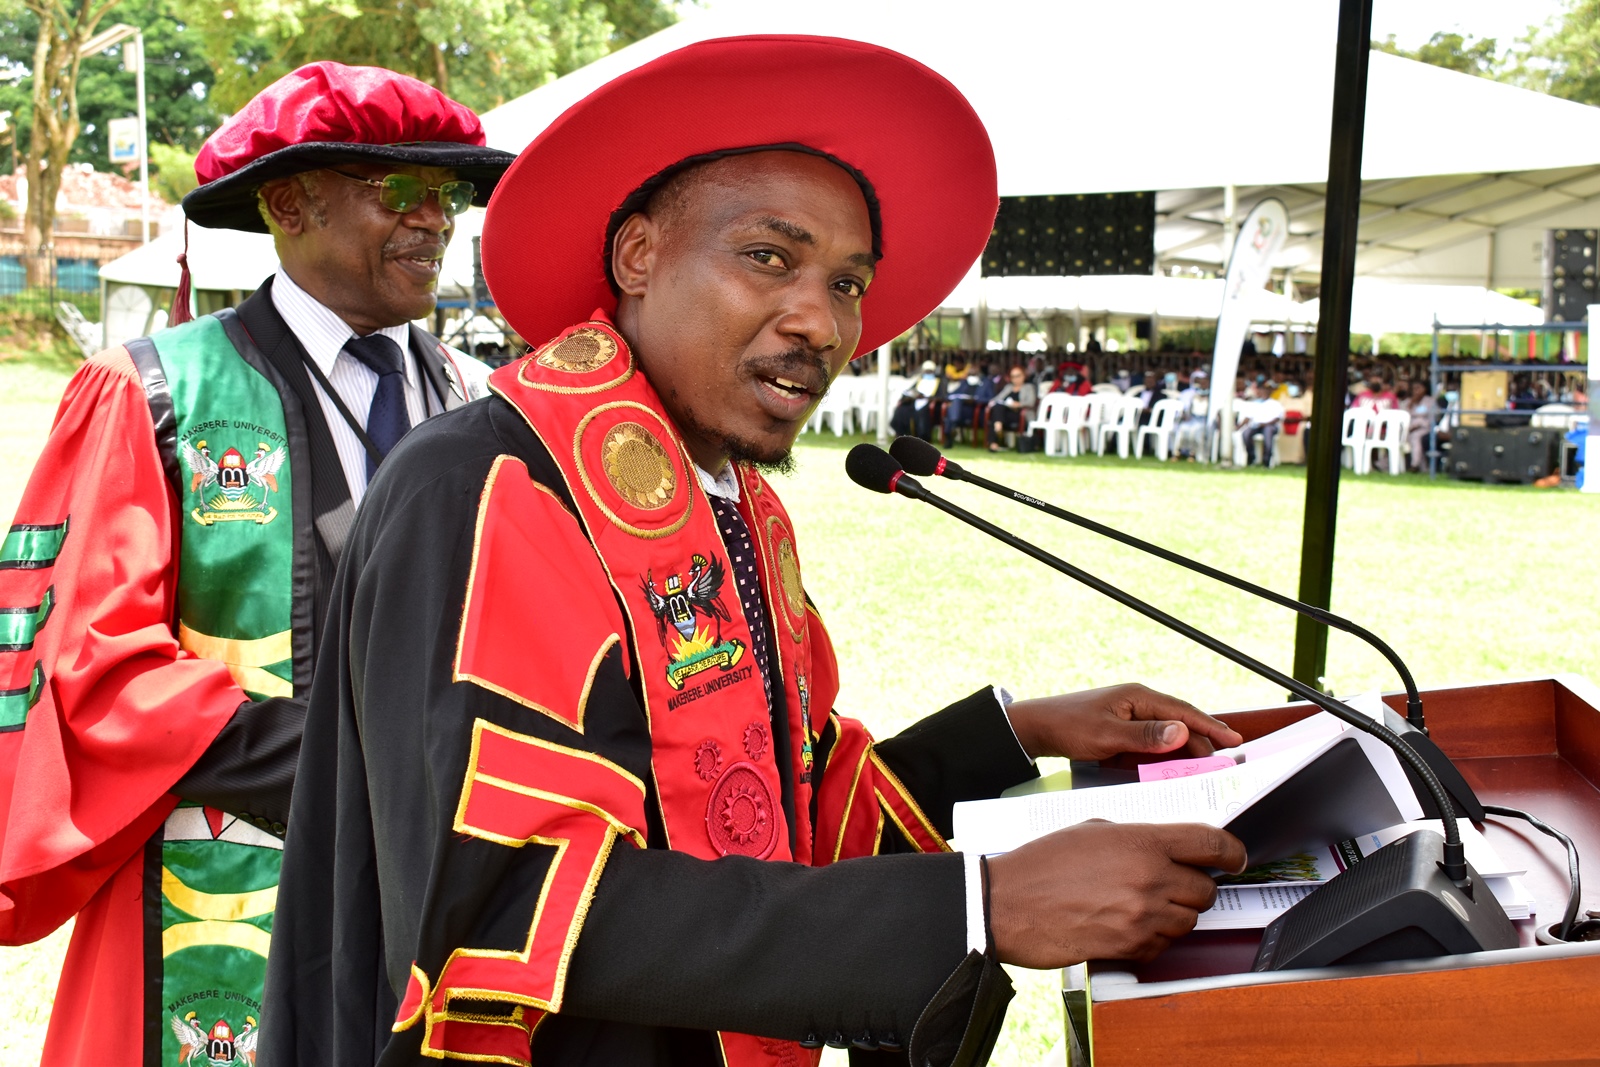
1340,222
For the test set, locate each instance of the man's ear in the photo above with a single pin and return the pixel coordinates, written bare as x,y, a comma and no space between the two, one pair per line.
286,202
633,254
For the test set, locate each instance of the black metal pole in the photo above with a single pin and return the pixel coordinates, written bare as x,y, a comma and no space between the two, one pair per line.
1342,216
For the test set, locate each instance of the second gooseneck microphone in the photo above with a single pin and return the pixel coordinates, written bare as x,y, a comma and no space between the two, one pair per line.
919,457
872,468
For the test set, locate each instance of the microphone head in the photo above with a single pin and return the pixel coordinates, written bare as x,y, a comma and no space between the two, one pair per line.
872,468
916,455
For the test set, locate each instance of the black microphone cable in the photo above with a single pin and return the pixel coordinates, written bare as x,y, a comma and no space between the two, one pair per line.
1564,932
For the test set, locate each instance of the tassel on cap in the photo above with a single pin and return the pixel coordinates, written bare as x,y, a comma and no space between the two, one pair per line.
180,302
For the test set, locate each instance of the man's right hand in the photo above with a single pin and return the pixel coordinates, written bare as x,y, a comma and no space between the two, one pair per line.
1101,890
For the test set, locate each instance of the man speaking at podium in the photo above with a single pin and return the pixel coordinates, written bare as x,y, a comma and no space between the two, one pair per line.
573,789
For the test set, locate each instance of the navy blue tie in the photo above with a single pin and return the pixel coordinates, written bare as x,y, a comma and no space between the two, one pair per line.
387,419
736,538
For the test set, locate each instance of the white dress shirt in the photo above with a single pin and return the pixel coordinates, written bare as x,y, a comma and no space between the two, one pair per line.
323,334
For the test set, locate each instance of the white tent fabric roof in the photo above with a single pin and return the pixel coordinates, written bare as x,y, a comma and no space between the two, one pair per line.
218,259
241,260
1146,94
1379,307
1136,295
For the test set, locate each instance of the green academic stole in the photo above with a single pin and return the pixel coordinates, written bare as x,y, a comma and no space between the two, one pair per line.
215,877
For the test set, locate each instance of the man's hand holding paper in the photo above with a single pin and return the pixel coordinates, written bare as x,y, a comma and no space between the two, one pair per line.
1100,723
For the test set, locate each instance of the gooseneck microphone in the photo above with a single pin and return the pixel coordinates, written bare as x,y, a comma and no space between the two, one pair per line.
1382,916
919,457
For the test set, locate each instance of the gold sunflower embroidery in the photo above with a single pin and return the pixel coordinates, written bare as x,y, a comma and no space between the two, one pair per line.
638,467
578,352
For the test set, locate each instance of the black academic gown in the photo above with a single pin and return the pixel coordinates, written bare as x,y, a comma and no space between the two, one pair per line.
870,951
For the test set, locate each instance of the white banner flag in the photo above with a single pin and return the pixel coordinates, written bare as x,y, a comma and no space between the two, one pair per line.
123,140
1259,240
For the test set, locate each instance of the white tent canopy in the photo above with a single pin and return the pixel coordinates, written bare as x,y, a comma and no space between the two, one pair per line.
1138,296
1198,102
235,261
218,259
1186,99
1379,307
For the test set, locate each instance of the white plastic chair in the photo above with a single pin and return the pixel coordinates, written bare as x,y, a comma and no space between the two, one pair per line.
1077,425
1388,435
1052,419
837,409
1121,422
867,399
1554,417
1163,421
1105,387
1096,410
1353,434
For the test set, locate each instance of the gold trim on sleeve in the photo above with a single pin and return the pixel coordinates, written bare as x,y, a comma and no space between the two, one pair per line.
910,802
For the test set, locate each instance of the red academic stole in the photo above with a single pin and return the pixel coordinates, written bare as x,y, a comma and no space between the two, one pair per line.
642,506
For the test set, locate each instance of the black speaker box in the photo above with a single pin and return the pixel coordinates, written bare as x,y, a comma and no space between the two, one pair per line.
1570,274
1492,455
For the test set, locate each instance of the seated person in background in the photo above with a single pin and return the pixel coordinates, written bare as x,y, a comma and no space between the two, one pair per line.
1011,407
1378,397
1262,416
1190,437
966,394
1072,379
913,415
1423,410
1123,380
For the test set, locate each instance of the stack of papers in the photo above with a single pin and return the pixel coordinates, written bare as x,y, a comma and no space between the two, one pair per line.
1327,782
1308,801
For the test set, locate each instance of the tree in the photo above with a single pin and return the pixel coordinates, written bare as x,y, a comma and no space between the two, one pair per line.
62,29
1563,59
177,82
481,52
1452,51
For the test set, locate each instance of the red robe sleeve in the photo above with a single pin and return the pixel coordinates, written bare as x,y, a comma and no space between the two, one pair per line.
100,712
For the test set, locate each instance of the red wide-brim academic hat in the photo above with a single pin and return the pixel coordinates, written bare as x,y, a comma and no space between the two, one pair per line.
904,128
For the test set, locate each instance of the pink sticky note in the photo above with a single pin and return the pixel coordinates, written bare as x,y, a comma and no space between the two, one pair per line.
1182,768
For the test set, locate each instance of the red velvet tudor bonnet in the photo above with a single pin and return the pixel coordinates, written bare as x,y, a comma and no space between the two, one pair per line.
329,113
907,135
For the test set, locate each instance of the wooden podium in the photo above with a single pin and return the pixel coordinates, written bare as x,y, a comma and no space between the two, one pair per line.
1533,745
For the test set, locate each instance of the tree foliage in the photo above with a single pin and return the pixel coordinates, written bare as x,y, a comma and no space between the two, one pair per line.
1453,52
1562,59
481,52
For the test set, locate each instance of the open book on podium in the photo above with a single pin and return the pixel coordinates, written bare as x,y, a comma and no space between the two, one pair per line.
1533,745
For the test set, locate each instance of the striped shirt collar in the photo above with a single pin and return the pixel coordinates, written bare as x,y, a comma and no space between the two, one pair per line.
322,332
724,485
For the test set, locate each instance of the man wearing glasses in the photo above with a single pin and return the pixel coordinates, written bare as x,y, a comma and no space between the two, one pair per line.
172,558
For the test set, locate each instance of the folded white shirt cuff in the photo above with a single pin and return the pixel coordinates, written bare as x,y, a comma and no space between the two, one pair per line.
977,930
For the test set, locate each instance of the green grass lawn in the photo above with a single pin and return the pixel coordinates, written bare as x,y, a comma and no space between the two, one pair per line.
1469,583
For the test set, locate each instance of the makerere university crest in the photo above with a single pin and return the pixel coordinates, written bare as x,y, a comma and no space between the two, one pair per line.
231,488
